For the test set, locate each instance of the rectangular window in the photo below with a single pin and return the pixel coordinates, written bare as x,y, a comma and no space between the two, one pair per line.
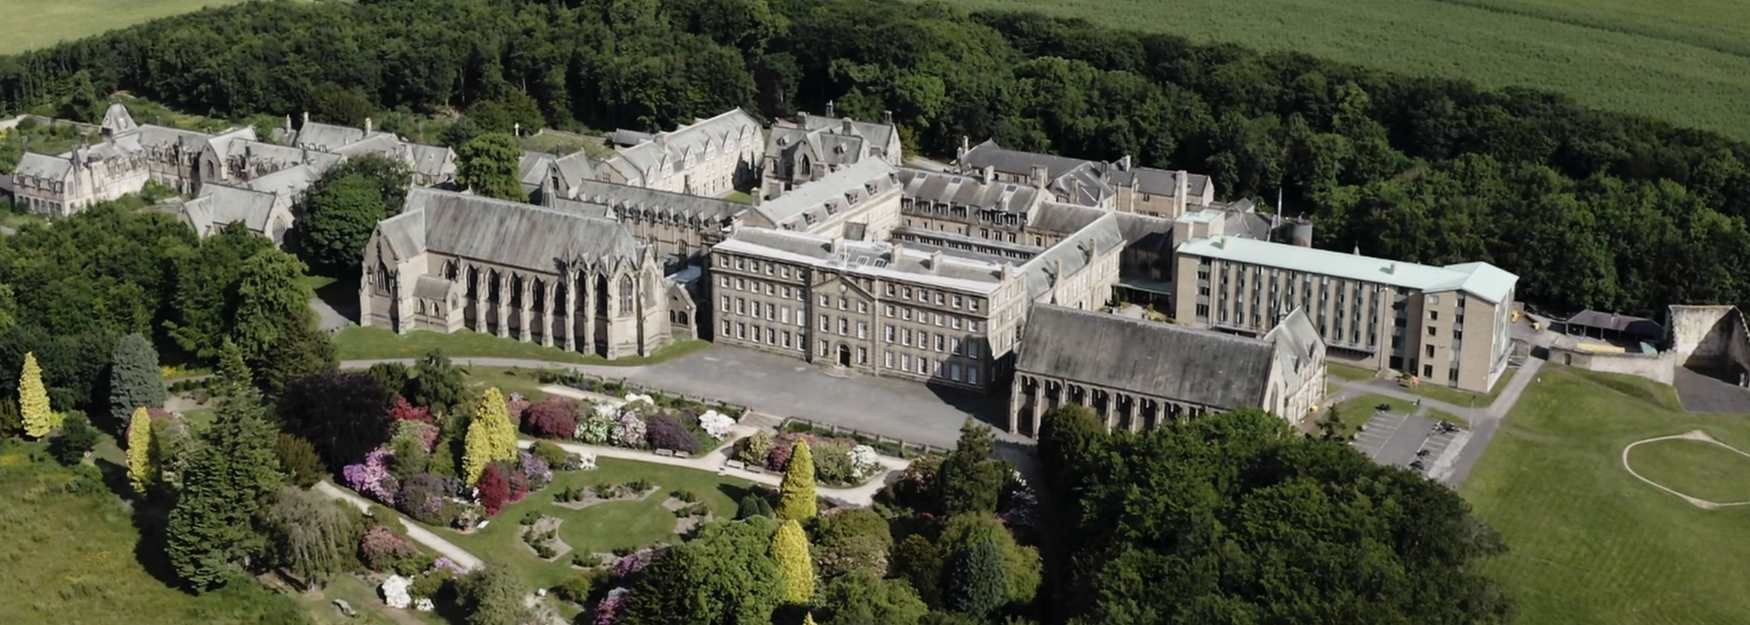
954,371
844,326
725,305
955,346
771,311
887,359
772,336
906,337
1430,330
770,289
862,330
784,272
905,313
923,340
890,310
905,361
908,292
825,324
843,303
740,284
890,290
972,375
973,305
823,348
784,314
1428,371
1430,350
863,307
888,330
862,356
957,301
1433,315
740,306
939,299
786,338
723,281
954,322
741,330
938,317
726,328
740,263
825,301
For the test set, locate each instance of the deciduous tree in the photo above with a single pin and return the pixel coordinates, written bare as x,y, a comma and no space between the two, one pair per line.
488,165
312,536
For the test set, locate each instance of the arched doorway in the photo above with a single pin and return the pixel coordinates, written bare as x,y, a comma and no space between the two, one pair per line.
844,355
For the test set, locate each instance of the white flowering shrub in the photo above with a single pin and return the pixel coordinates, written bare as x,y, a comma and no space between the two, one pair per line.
864,461
629,430
716,424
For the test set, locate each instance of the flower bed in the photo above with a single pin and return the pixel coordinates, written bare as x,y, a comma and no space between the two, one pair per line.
635,422
837,461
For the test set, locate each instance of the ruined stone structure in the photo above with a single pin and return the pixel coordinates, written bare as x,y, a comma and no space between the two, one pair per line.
1136,374
453,261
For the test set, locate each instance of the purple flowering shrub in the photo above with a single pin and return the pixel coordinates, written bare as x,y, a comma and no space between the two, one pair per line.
372,477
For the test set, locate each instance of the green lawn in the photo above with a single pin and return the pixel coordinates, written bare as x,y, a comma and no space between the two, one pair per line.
739,197
508,380
1351,373
602,527
1589,543
40,23
357,343
1695,468
1686,62
76,556
1460,397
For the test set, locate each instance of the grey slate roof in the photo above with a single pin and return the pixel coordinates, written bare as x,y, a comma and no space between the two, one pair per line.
327,137
1071,255
1161,181
430,286
1616,322
220,204
961,190
1063,219
431,160
37,165
532,168
508,233
162,137
1145,357
622,198
641,162
835,193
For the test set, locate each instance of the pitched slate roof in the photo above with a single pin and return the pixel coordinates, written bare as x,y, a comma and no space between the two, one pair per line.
435,161
220,204
641,162
837,192
38,165
1071,255
622,198
961,190
327,137
1059,218
507,233
1145,357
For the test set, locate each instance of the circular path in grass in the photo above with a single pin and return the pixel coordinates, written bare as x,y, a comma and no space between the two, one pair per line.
1693,466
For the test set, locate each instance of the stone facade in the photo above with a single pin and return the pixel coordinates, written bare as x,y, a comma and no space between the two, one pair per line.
1115,185
812,146
710,157
1136,374
453,261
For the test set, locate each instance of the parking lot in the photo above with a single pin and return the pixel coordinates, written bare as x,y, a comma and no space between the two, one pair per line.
1407,440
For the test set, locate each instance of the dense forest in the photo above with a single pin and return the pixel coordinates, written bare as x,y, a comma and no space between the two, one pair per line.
1592,209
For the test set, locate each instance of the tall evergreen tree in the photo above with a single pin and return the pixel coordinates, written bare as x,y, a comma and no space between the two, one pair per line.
972,477
491,437
270,300
974,581
140,470
796,493
231,474
303,349
795,566
435,383
134,380
33,400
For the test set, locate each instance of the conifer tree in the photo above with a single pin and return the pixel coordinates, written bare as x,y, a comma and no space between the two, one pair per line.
795,566
796,492
140,470
490,438
33,400
975,582
134,380
226,482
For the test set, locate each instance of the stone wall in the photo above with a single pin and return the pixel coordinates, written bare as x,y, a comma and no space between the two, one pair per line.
1658,367
1700,335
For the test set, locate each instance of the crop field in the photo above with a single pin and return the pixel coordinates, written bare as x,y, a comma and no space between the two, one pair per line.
38,23
1685,61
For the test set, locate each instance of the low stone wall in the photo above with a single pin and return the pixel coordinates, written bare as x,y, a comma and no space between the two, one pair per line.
1658,367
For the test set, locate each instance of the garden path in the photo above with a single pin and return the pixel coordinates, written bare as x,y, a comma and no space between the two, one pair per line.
419,534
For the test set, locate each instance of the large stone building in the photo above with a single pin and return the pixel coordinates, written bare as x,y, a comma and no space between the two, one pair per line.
1447,325
859,202
710,157
453,261
812,146
1136,374
1113,185
62,185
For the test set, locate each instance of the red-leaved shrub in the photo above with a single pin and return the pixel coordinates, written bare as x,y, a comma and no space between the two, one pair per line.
554,417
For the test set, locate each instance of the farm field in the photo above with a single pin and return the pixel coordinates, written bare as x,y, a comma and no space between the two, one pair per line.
1687,62
40,23
1587,542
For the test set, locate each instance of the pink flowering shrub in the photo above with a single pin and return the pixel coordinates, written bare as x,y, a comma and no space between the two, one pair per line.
403,410
632,563
629,430
425,433
372,476
607,612
535,470
381,550
516,405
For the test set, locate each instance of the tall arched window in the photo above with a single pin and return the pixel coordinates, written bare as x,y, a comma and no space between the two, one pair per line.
626,291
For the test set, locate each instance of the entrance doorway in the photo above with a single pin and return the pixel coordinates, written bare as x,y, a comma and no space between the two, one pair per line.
844,355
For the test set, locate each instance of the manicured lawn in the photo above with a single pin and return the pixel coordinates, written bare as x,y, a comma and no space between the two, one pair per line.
508,380
357,343
314,282
1686,63
1459,397
1357,410
602,527
1349,372
40,23
1694,468
1588,542
363,598
77,557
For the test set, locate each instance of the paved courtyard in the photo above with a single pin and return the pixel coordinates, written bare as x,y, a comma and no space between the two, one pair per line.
1701,392
786,387
1403,440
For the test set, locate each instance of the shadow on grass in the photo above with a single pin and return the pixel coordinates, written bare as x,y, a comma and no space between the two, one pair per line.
149,517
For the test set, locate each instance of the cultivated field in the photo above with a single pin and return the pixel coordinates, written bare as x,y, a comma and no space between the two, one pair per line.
1687,61
1588,542
39,23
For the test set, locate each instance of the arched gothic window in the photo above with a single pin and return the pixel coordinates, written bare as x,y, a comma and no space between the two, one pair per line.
626,292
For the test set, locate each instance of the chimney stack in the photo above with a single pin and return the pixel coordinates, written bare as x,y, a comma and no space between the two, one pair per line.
288,127
516,129
1179,198
829,109
989,173
367,126
936,261
887,117
306,119
894,253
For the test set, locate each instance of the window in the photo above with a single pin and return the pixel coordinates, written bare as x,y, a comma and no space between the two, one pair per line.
786,292
1433,315
756,335
941,342
906,337
954,371
890,290
843,303
1430,351
771,290
973,304
923,340
955,345
825,301
938,317
740,263
971,375
908,292
905,362
1430,330
889,332
740,284
863,307
972,349
771,311
939,299
723,281
768,269
862,356
1428,371
725,305
954,322
741,330
823,347
862,330
786,338
784,272
825,324
740,306
726,328
784,314
905,313
887,359
890,310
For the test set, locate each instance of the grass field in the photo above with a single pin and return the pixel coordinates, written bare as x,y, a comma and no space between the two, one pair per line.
1687,62
1589,543
358,343
1694,468
601,527
74,555
39,23
1459,397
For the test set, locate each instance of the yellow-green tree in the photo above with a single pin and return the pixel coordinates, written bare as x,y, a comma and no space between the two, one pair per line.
33,401
796,493
490,438
795,566
140,471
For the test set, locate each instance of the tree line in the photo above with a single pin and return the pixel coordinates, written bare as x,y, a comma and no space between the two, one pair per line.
1592,209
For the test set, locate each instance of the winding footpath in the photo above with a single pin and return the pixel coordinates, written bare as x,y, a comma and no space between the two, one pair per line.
414,531
1692,435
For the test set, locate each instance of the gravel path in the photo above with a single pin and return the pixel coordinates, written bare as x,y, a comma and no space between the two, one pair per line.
419,534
